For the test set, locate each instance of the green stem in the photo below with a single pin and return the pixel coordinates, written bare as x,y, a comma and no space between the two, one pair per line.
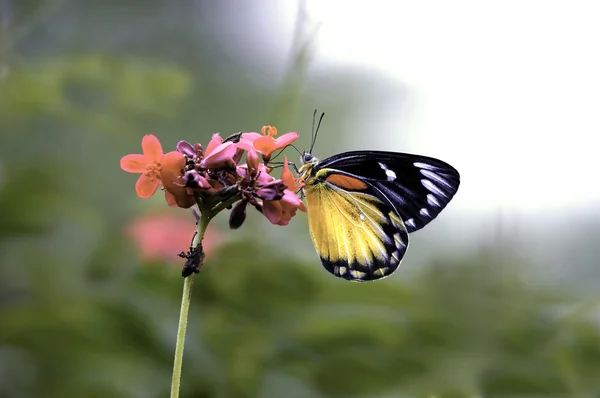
185,307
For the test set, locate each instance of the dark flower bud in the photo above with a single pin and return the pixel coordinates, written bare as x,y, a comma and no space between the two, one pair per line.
194,180
238,215
235,138
199,150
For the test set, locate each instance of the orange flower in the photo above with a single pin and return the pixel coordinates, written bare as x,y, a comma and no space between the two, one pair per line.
176,193
147,164
266,143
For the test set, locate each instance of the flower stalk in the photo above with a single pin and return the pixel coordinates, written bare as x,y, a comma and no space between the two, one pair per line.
186,299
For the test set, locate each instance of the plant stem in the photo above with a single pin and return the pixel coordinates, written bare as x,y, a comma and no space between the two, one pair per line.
185,307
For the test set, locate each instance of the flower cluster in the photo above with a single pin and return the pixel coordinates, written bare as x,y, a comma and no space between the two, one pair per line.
214,179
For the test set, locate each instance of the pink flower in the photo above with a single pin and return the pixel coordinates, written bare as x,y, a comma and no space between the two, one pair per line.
218,153
263,174
160,236
280,212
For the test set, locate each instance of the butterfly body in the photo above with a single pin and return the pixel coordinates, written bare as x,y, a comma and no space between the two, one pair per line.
362,205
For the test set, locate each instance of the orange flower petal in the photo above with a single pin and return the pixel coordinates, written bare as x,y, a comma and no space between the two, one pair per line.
287,176
247,141
265,145
170,174
146,186
173,161
134,163
151,148
181,199
170,199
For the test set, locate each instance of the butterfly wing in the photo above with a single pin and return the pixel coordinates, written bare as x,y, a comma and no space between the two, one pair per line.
417,187
358,236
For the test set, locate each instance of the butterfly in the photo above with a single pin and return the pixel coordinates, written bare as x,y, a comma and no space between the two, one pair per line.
362,205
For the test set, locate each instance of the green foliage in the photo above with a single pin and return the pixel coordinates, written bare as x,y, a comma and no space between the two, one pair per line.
462,328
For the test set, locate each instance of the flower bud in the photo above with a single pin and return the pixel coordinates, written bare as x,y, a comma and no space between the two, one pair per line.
252,161
238,215
194,180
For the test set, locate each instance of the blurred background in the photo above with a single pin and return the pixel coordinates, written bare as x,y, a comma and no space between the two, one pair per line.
497,297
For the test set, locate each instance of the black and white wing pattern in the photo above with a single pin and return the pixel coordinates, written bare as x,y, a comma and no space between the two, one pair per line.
419,187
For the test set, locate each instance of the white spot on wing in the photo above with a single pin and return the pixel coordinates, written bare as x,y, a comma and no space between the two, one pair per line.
424,166
391,175
435,177
357,274
433,188
424,212
432,200
411,222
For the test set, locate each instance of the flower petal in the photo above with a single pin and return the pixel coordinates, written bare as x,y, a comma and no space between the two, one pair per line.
287,176
159,235
151,148
263,175
286,139
272,210
252,160
247,140
186,148
272,191
302,207
265,145
172,180
215,141
290,200
134,163
146,186
170,199
219,156
251,136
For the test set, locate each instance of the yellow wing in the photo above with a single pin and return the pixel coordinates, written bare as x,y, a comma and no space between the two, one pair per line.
358,237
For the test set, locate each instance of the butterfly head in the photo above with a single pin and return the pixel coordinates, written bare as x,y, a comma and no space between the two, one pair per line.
308,157
308,161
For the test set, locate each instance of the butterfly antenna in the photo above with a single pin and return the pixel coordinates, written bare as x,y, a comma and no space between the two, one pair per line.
312,131
284,148
316,131
297,150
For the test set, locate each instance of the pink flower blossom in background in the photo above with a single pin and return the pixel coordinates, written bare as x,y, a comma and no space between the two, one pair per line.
161,236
